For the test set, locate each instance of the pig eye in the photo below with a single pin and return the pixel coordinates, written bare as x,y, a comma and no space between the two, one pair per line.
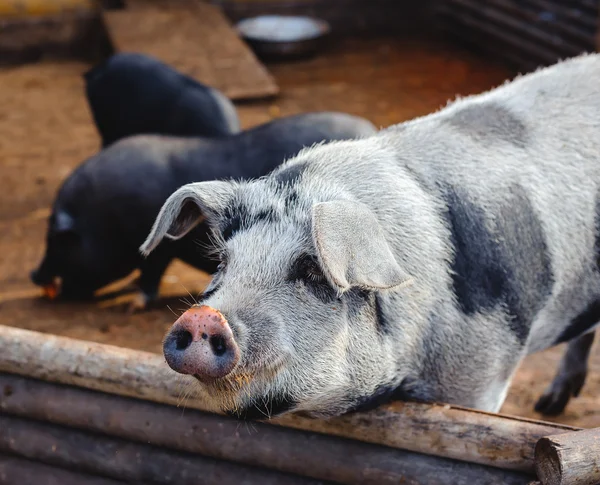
308,269
308,273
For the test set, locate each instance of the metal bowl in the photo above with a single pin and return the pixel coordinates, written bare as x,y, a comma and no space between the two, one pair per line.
283,36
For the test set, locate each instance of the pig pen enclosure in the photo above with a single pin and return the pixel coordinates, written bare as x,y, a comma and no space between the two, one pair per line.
85,394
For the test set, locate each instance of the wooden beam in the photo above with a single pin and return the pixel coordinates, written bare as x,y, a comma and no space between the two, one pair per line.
120,459
441,430
196,39
569,458
261,445
21,471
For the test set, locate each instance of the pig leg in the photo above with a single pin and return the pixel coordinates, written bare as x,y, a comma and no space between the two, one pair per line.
152,270
570,377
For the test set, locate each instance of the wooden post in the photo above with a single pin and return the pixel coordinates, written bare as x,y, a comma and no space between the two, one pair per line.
434,429
569,458
302,453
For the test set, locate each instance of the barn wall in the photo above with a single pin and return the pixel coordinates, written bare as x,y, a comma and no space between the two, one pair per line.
528,33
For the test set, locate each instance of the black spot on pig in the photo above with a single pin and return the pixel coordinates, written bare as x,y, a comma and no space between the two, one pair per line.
131,94
581,323
291,198
231,227
488,122
499,263
359,300
207,294
382,322
291,173
238,217
265,215
267,408
597,227
408,390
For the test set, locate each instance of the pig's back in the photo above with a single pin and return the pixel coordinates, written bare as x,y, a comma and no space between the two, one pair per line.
494,200
528,156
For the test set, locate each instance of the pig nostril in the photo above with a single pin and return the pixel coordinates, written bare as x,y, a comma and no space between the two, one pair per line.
218,345
183,340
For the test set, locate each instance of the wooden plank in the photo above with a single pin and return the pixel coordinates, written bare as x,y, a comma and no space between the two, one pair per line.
120,459
196,39
261,445
35,8
440,430
569,458
15,470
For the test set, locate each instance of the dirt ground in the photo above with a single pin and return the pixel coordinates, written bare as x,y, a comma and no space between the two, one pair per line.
46,130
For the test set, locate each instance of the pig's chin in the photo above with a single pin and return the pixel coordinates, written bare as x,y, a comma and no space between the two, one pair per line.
263,408
249,396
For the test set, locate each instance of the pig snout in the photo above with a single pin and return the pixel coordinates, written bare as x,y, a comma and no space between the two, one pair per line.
201,343
37,278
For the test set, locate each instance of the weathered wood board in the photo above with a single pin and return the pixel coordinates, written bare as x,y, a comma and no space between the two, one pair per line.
194,38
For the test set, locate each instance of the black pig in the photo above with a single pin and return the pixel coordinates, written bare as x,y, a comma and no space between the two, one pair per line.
133,94
106,207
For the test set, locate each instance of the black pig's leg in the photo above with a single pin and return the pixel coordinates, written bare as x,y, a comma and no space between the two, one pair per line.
152,270
570,377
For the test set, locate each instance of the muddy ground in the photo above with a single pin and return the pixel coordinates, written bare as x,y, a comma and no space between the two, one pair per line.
46,130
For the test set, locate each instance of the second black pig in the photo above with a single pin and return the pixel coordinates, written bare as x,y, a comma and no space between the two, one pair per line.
106,207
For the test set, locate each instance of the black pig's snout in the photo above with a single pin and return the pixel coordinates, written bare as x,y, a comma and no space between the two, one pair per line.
40,277
35,277
201,343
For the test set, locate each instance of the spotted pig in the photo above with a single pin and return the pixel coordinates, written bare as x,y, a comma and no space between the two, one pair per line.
423,262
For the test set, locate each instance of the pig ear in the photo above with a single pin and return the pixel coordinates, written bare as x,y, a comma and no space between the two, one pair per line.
352,248
187,207
64,230
63,222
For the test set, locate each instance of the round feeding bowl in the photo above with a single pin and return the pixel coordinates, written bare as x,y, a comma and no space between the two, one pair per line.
283,36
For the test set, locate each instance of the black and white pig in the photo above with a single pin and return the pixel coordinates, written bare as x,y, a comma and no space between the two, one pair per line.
421,263
106,207
134,94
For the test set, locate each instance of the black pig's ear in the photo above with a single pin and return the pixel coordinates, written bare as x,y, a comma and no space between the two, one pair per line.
63,222
63,228
352,247
187,207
